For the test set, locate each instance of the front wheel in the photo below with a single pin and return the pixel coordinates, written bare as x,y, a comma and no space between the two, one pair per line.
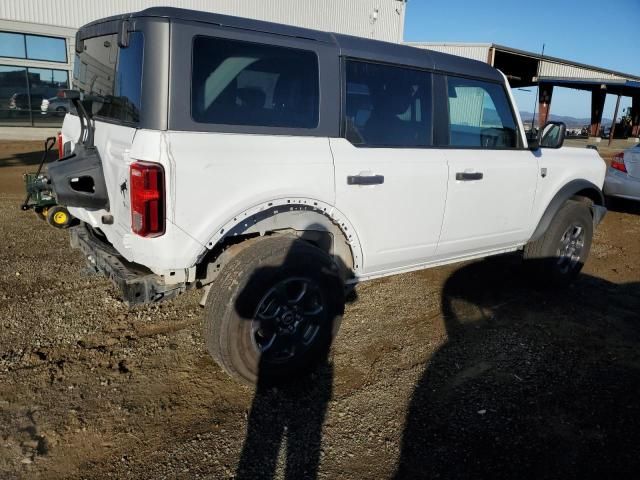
557,257
273,310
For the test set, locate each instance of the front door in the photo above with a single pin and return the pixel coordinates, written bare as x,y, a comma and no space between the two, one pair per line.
492,182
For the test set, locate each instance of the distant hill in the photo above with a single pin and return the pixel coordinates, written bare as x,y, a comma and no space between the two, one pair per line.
572,122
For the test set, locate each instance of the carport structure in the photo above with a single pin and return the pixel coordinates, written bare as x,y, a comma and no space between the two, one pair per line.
525,69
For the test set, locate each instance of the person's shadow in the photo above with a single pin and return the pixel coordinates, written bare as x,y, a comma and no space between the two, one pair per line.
531,383
287,414
286,422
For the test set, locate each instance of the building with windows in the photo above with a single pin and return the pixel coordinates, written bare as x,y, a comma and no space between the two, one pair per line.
37,39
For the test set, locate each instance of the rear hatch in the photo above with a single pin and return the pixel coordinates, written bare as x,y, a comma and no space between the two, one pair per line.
632,161
112,75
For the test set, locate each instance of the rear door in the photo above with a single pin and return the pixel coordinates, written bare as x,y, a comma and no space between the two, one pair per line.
492,180
390,182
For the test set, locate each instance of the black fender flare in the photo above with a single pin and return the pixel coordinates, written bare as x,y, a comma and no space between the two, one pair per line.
574,188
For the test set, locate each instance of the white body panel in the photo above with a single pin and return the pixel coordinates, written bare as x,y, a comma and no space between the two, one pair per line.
118,147
492,212
562,166
220,176
398,222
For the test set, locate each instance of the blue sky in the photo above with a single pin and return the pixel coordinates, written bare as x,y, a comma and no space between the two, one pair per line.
596,32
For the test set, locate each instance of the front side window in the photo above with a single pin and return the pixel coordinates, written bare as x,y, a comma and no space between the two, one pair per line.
241,83
387,106
113,75
479,115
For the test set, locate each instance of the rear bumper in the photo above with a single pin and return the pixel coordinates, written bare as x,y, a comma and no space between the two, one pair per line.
137,284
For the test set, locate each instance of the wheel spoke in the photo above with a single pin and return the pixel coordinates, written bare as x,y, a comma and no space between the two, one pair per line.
577,233
269,310
303,291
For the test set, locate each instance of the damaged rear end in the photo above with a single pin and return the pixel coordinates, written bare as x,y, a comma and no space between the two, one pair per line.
113,172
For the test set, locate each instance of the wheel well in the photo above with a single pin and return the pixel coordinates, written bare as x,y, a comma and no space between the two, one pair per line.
589,193
576,190
309,225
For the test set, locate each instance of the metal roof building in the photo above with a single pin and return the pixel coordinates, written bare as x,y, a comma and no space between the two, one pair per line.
37,38
526,68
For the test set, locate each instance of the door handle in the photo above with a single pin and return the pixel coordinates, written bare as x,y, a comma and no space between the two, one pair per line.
365,179
469,176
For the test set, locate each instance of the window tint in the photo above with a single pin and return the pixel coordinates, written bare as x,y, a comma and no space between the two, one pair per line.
46,48
240,83
387,105
12,45
113,74
479,115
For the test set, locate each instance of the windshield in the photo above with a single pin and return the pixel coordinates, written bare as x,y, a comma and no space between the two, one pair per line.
112,73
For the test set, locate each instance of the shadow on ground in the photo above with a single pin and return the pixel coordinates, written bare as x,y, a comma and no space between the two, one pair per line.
23,153
622,205
530,384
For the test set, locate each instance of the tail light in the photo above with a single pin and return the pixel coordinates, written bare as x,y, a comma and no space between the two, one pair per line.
147,199
60,146
618,162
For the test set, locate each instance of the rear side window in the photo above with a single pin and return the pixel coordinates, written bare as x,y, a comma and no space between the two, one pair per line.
242,83
387,106
480,115
112,74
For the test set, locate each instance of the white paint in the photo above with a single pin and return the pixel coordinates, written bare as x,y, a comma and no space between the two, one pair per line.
398,222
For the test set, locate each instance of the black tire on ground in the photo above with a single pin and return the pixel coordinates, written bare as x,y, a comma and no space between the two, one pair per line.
273,310
59,217
557,257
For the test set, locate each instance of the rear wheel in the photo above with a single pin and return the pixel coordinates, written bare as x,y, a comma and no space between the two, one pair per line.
273,310
558,256
58,217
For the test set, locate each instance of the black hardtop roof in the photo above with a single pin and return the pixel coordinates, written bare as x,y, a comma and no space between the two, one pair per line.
349,46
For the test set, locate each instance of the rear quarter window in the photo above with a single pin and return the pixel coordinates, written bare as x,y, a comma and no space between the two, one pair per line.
242,83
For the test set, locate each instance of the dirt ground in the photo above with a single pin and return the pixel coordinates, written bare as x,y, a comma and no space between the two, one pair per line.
464,371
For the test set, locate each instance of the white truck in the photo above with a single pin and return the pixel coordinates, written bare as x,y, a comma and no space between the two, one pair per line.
276,166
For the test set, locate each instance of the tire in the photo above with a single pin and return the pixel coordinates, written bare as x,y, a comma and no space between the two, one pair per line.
254,327
557,257
61,111
41,213
59,217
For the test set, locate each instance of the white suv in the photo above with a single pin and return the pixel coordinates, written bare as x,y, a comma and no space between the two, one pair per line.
274,166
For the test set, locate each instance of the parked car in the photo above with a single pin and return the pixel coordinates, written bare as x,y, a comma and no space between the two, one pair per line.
20,101
623,175
57,105
274,167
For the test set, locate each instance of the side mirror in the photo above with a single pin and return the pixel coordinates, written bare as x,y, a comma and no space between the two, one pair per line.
532,140
553,134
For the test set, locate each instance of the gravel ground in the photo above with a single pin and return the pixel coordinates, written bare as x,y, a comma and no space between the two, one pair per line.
459,371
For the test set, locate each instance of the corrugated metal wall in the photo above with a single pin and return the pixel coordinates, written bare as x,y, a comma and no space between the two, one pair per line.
553,69
475,51
380,19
